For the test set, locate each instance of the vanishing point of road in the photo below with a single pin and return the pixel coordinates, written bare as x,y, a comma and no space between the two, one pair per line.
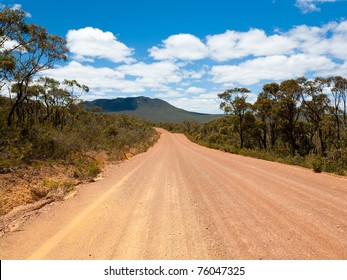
183,201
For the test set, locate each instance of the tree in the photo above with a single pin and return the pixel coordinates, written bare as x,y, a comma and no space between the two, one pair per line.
59,98
68,101
266,110
33,51
234,102
287,99
335,105
339,91
314,108
12,23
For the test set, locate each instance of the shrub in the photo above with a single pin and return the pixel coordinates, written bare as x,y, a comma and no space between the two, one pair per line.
318,165
93,169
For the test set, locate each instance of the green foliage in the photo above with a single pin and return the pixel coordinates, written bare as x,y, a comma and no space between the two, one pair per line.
94,169
53,185
317,164
82,134
85,166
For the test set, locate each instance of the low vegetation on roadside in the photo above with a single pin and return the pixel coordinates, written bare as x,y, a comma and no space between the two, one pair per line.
300,122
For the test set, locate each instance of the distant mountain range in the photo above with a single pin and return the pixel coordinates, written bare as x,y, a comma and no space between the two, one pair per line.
153,110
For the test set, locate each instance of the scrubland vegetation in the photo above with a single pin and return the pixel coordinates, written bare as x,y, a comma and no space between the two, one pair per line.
77,134
301,122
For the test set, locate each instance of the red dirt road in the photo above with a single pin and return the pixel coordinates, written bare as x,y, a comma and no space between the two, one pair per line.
183,201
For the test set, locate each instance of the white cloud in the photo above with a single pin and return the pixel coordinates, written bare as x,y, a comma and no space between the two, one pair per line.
169,94
329,39
339,70
99,79
307,37
16,7
255,42
195,90
201,104
132,78
89,43
278,67
180,46
155,75
7,45
308,6
191,74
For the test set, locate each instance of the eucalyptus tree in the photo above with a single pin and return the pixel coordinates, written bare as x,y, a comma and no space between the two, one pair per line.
266,110
234,102
59,99
12,23
339,91
315,109
27,50
288,99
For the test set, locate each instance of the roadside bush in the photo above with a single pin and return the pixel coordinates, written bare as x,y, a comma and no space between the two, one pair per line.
317,163
80,134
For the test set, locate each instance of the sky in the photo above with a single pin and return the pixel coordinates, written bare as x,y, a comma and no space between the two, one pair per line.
188,51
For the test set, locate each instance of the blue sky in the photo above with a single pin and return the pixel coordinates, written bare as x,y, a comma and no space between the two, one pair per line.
186,52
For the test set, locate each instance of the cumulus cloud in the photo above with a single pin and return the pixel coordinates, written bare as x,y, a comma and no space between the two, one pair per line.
278,67
192,74
132,78
99,79
180,46
339,70
255,42
170,94
153,75
195,90
329,39
89,43
309,6
201,104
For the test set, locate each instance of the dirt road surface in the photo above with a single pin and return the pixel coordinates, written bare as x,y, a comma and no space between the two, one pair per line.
183,201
